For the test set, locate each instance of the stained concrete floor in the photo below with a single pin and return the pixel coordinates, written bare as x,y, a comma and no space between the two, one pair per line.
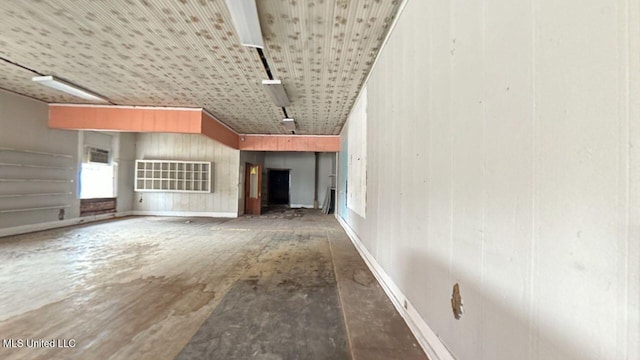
286,285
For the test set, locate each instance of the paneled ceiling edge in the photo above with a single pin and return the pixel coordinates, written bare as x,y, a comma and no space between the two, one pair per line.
403,4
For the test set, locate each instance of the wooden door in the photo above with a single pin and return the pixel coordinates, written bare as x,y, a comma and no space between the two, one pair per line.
252,189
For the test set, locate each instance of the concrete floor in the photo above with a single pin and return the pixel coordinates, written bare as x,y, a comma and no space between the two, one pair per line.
286,285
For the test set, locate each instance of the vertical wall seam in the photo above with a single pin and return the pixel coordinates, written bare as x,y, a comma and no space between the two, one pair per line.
534,185
484,173
624,177
451,142
633,267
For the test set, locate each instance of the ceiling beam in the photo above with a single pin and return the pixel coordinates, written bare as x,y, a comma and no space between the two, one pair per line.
320,143
125,118
217,130
180,120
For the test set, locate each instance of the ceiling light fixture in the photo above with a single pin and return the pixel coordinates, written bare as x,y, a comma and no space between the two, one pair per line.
289,124
55,83
275,89
244,14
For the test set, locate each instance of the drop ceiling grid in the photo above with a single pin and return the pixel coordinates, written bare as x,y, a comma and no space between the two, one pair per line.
186,53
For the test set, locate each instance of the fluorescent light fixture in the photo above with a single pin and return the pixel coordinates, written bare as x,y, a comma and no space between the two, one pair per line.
244,14
55,83
275,89
289,124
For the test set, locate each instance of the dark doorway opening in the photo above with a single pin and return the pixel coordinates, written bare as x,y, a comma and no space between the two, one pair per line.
278,187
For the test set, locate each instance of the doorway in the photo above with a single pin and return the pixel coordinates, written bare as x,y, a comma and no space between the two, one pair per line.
279,183
252,189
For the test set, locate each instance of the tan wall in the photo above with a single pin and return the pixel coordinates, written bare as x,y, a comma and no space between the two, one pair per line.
503,155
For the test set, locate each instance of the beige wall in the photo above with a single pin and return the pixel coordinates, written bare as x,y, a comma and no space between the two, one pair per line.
503,155
222,201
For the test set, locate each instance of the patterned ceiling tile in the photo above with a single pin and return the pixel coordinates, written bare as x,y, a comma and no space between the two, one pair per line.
323,51
17,79
186,53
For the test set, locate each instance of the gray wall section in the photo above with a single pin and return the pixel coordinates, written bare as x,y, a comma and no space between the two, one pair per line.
23,126
502,156
252,157
101,140
223,200
302,166
326,166
126,174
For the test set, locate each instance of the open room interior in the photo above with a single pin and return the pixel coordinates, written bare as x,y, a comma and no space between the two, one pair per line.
203,288
234,179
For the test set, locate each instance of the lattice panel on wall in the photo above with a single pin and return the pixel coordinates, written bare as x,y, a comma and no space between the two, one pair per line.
173,176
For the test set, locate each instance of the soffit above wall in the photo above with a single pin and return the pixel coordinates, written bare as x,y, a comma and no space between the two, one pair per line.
186,53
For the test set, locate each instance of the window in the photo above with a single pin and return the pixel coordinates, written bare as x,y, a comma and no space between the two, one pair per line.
96,180
98,169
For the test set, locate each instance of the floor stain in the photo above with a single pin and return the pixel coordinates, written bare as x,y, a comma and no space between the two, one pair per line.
363,277
252,287
129,307
286,306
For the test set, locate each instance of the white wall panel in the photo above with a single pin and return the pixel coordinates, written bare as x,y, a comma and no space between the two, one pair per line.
357,150
225,177
501,156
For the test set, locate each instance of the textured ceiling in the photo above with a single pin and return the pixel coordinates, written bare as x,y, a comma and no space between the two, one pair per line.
187,53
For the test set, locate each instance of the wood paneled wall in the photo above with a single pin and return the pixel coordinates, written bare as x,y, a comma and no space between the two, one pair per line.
223,199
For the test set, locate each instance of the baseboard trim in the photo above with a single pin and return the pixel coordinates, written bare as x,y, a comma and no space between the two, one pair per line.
186,214
24,229
298,206
427,338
